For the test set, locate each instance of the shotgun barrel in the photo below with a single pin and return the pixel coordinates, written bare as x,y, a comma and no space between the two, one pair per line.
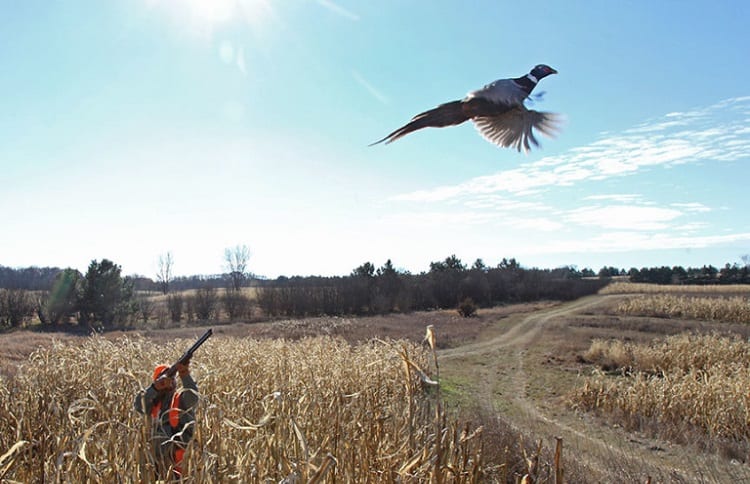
170,372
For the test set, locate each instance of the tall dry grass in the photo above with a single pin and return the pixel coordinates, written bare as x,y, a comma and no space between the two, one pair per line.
683,384
158,297
315,410
734,309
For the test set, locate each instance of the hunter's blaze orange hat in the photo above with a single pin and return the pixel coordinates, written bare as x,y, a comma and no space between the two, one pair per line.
158,370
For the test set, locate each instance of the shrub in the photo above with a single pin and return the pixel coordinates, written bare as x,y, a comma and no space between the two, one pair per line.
205,302
174,303
467,308
16,307
236,304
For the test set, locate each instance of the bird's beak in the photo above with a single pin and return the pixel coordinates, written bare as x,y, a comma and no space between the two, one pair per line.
552,71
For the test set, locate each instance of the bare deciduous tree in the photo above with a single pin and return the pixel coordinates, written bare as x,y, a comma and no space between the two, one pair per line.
164,276
236,259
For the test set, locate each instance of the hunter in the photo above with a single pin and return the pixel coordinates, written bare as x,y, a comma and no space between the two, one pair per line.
171,412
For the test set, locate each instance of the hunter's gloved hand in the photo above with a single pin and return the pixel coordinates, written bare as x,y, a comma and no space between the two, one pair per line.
183,369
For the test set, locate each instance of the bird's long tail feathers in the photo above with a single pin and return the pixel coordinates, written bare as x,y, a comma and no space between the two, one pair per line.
448,114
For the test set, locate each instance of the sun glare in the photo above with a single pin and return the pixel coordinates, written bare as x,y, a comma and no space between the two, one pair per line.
205,16
212,11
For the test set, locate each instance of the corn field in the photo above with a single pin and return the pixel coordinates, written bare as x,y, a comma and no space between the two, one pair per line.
644,288
686,380
314,410
734,309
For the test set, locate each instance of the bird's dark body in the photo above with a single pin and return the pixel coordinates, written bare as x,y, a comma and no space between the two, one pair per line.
477,107
497,109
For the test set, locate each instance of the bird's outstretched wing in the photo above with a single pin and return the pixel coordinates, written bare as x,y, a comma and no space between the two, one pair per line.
515,128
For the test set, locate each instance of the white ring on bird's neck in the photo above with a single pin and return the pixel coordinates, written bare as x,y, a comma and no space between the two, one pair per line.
532,78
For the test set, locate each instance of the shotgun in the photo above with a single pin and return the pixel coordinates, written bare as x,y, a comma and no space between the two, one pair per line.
170,372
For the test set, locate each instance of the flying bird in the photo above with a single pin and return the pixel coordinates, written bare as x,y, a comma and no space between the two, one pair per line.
497,110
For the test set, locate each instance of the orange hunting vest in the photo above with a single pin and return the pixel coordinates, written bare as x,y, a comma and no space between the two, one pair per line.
174,410
174,422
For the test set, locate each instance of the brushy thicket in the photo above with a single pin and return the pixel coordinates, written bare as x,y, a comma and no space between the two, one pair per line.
685,384
312,410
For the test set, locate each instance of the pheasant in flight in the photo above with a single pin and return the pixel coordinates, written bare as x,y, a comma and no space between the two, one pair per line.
497,110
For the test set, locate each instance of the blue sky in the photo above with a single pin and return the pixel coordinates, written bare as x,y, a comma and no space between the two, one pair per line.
132,128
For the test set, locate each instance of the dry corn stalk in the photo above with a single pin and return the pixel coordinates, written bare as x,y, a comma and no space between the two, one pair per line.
735,309
699,380
644,288
317,408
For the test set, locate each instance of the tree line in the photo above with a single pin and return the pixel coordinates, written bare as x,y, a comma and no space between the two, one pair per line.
729,274
43,278
101,296
103,299
448,284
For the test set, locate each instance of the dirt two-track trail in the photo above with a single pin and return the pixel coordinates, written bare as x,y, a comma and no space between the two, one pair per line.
494,371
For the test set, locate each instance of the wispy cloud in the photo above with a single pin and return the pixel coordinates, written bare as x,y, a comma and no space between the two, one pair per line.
631,217
441,218
505,204
466,219
541,224
615,197
369,87
628,241
692,207
533,208
338,9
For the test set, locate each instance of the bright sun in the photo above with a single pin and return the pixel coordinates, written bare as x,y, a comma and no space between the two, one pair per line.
204,16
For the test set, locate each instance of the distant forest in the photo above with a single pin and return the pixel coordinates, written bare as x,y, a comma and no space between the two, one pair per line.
103,299
43,278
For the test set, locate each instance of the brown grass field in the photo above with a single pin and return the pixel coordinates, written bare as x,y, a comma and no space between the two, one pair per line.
517,384
159,298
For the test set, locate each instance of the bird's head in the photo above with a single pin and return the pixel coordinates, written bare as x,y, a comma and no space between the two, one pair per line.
541,71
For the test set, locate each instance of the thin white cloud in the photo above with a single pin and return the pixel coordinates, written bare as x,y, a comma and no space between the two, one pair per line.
376,93
505,204
642,216
629,217
440,219
338,9
691,227
541,224
692,207
494,212
624,241
616,197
